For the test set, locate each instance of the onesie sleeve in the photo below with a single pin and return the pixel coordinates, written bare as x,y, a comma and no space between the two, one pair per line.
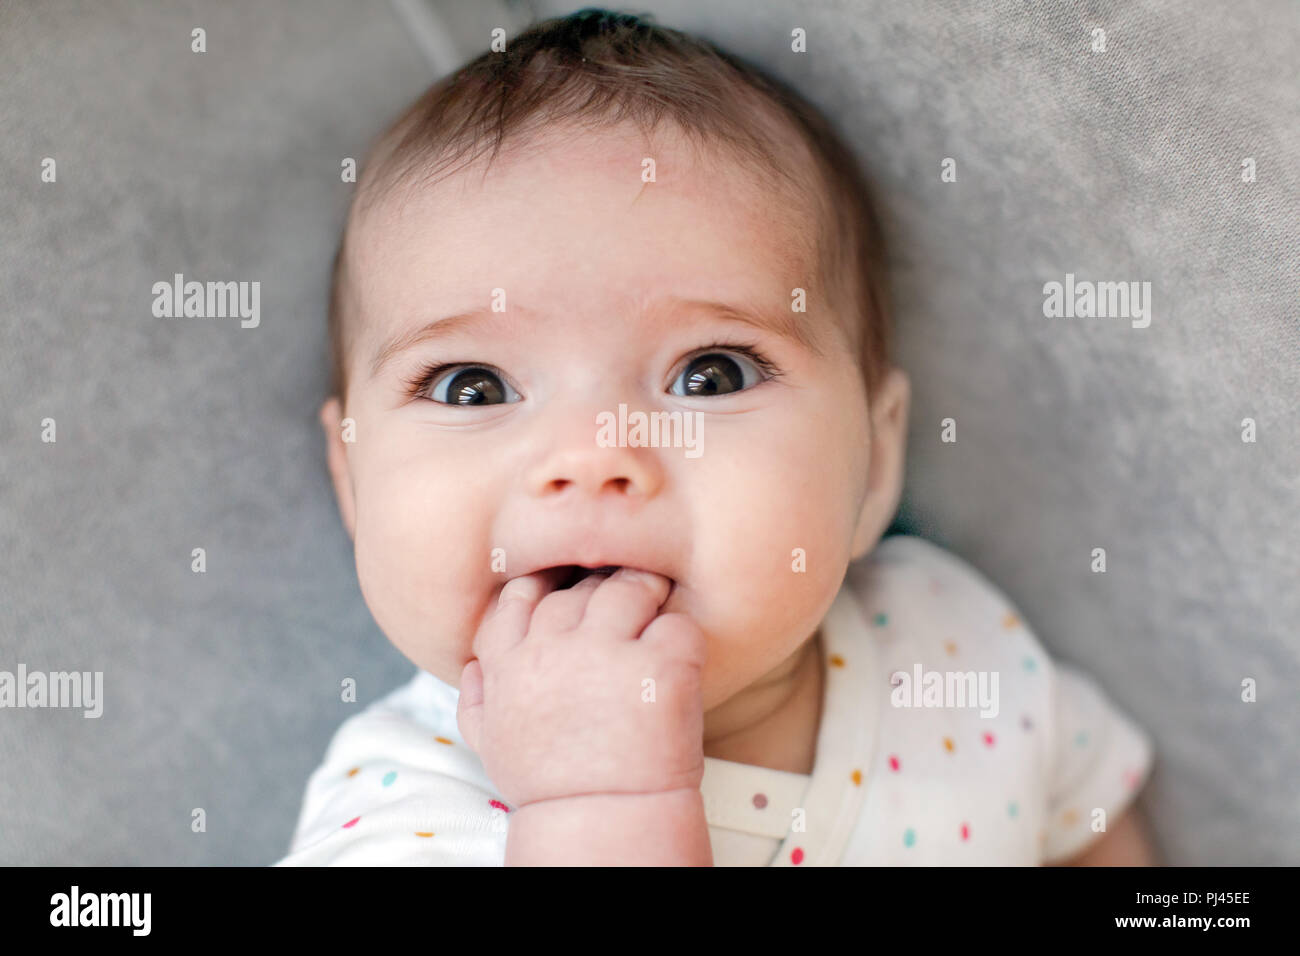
394,790
1100,759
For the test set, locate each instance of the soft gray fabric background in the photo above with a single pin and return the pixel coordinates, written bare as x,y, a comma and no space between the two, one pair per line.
222,689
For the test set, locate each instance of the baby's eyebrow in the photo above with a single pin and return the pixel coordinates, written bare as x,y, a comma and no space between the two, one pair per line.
786,324
778,321
438,328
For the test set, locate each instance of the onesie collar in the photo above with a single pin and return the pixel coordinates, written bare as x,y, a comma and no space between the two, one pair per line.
764,801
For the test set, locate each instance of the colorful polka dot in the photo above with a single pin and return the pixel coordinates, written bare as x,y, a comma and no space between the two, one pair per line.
1070,816
796,856
354,771
881,619
351,823
1012,809
1081,739
909,837
951,648
424,833
836,660
1010,621
1030,664
443,740
857,778
965,831
893,762
1130,778
499,805
948,744
389,778
760,800
988,739
1026,722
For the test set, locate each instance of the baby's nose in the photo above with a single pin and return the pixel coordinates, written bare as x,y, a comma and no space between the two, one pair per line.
580,465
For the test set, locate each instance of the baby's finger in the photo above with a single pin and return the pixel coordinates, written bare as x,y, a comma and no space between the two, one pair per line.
563,610
469,706
680,636
625,603
505,625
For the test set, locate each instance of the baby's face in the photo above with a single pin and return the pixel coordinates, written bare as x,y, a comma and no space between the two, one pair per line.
494,467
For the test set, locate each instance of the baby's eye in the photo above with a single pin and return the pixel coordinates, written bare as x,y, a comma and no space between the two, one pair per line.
469,385
716,373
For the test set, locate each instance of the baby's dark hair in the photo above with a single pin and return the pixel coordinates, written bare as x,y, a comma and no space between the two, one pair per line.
599,68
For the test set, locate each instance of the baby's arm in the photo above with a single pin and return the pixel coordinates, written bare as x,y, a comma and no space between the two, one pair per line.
603,829
1125,844
1101,759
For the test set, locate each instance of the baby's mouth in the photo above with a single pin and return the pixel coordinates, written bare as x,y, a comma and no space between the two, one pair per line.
573,573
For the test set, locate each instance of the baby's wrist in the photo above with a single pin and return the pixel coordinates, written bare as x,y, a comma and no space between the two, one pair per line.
666,828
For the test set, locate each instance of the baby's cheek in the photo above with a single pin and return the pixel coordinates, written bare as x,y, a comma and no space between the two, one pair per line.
423,570
759,596
773,530
785,579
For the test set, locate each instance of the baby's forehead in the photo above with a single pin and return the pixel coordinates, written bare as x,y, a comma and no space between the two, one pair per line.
602,217
604,167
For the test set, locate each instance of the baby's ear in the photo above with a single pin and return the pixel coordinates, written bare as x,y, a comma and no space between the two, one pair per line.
331,419
889,411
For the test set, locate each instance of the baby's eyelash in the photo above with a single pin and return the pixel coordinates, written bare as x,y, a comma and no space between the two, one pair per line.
422,379
746,349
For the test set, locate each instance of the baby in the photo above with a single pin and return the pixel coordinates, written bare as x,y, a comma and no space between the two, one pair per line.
633,648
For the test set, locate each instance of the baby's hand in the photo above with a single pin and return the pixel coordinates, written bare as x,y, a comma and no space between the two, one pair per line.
559,701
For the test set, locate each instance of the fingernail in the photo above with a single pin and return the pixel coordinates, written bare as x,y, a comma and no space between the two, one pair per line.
636,576
506,592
